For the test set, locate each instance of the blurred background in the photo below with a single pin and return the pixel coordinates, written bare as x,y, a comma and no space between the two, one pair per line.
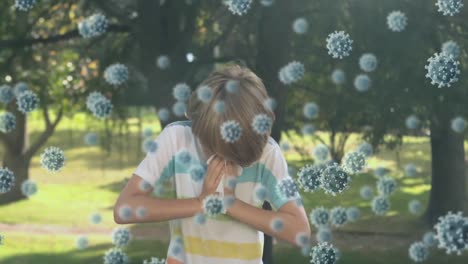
85,86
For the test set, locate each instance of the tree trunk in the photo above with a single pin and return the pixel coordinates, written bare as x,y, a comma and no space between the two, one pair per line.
19,165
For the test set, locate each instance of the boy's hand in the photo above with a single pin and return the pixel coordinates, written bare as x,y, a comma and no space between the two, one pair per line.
213,176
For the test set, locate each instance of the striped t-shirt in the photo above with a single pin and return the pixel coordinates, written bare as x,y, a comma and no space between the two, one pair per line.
174,171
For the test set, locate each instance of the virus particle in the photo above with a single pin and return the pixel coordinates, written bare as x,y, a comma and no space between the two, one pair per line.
232,86
200,219
6,94
324,234
163,62
270,103
53,159
197,172
353,214
412,122
362,82
7,122
213,205
418,252
19,88
116,74
291,73
397,21
285,146
164,114
262,124
239,7
147,132
121,236
458,124
93,26
90,139
320,153
415,207
386,185
368,62
231,182
366,192
179,108
300,25
27,101
141,212
338,216
310,110
339,44
81,242
181,92
309,177
451,49
277,225
218,106
411,170
99,105
115,256
95,218
184,157
338,77
28,188
308,129
154,260
452,232
380,205
24,5
442,70
319,217
149,145
260,194
231,131
125,212
429,238
379,172
324,253
366,149
449,7
144,186
354,162
204,93
267,3
287,188
302,239
7,180
334,179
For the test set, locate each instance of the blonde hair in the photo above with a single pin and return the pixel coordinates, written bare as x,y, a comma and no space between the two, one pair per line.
242,106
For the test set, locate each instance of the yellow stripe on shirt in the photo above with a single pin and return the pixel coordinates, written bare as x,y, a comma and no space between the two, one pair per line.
221,249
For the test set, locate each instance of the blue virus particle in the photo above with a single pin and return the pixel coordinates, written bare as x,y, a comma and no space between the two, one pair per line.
163,62
213,205
260,194
418,252
397,21
354,162
95,218
116,74
277,224
231,131
200,219
308,129
141,212
24,5
7,122
339,44
154,260
90,139
270,104
310,110
164,114
262,124
121,236
429,238
449,7
319,217
204,93
181,92
442,70
366,149
287,188
267,3
218,106
362,82
415,207
27,102
92,98
28,188
284,145
184,157
366,192
411,170
451,49
149,145
412,122
147,132
452,232
239,7
320,153
380,205
380,172
232,86
353,214
93,26
338,216
302,239
19,88
6,94
324,253
309,176
334,179
7,180
231,182
368,62
144,186
81,242
179,108
458,124
291,73
386,185
115,256
338,77
103,108
324,234
53,159
125,212
197,172
300,25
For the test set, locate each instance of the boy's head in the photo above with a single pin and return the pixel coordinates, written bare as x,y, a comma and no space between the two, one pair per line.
241,104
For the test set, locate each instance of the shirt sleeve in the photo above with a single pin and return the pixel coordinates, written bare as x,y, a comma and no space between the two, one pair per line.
156,164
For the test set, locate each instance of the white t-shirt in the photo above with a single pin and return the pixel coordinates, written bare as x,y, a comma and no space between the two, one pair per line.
174,172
